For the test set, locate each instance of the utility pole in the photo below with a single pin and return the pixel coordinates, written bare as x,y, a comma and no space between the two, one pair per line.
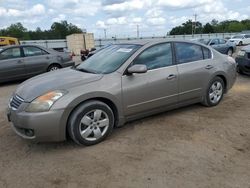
138,32
105,33
194,24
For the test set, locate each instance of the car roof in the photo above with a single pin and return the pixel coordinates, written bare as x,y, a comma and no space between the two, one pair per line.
155,41
21,45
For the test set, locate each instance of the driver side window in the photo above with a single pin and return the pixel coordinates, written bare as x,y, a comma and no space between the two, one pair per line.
11,53
156,56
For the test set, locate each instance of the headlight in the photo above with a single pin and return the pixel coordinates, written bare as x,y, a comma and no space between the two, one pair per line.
44,102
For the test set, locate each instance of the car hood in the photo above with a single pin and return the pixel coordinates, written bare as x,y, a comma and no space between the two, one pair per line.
62,79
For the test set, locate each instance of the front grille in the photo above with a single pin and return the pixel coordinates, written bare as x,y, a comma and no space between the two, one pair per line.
15,102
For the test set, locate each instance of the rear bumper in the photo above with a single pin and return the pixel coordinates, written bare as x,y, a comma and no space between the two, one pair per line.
39,127
68,64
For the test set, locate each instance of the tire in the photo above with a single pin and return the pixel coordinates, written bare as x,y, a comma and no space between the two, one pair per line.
90,123
214,92
230,52
239,70
83,58
53,67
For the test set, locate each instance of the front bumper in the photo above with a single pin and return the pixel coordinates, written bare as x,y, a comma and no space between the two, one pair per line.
39,127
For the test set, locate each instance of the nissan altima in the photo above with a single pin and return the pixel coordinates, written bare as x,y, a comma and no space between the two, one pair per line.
121,83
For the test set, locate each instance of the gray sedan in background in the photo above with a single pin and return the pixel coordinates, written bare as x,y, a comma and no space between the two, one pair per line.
121,83
25,61
221,45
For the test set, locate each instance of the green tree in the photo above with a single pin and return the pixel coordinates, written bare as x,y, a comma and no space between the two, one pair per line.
62,29
208,28
17,30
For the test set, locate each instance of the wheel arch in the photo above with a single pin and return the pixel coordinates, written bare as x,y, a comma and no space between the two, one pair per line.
111,103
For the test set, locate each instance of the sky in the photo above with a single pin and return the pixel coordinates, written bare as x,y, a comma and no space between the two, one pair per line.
119,17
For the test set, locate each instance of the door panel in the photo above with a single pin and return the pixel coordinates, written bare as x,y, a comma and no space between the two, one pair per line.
193,77
11,64
143,92
194,68
36,60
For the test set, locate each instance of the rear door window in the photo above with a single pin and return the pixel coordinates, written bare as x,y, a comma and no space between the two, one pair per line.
10,53
33,51
188,52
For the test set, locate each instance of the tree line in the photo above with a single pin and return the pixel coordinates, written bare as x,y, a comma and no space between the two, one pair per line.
214,26
58,30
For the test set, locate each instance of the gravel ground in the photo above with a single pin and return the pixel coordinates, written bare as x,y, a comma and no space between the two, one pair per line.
190,147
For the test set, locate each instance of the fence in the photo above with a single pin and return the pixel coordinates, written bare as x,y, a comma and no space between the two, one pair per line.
62,43
102,42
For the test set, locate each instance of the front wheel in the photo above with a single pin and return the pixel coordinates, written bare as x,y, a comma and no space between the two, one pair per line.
214,92
90,123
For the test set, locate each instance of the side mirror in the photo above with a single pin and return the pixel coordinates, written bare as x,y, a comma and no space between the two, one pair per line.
212,43
137,69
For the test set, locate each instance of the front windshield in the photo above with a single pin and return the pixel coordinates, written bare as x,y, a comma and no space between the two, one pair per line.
108,59
238,37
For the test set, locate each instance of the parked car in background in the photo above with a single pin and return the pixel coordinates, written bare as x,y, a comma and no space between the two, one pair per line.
243,60
24,61
5,41
241,39
120,83
221,45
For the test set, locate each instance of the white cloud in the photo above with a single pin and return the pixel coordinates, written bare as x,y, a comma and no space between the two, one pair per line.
37,10
127,5
117,21
156,21
180,4
59,18
101,24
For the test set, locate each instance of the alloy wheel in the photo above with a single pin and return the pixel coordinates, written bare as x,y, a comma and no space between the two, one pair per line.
215,92
94,125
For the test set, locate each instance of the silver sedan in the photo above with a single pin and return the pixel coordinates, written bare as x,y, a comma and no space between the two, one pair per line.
121,83
24,61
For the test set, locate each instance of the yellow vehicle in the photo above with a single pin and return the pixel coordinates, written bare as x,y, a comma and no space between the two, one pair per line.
4,41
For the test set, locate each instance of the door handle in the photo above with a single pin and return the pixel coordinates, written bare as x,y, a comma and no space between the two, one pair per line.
171,76
47,57
20,61
209,67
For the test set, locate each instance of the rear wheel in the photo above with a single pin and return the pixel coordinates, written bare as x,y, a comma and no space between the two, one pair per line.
91,123
214,92
53,67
